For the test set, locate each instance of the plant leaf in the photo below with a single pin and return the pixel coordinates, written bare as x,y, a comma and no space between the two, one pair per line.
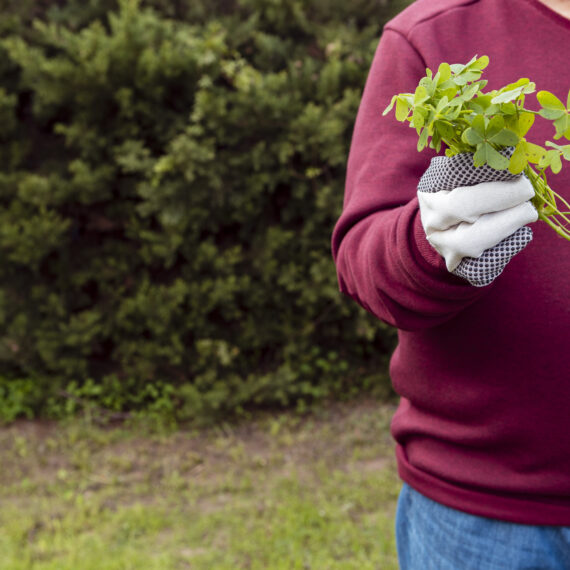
549,101
444,71
495,126
534,152
518,159
480,63
418,119
508,108
480,156
504,138
402,109
422,140
514,91
495,159
551,114
390,106
445,129
506,96
525,122
478,124
420,95
556,163
472,137
562,124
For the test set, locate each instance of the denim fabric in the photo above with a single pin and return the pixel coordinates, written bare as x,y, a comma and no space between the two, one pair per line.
431,536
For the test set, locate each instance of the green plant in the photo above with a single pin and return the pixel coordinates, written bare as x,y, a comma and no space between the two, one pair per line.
170,174
451,109
18,398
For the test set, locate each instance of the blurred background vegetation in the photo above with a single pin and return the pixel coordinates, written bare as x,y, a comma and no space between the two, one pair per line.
170,174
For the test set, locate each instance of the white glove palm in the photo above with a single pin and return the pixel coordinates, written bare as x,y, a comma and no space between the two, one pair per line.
472,219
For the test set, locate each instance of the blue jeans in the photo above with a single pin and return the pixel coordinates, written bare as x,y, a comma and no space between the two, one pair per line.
431,536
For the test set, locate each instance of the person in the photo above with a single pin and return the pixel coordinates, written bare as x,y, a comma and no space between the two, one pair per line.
482,368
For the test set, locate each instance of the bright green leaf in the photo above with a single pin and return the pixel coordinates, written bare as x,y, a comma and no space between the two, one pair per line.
444,72
481,63
402,109
422,141
420,95
552,114
418,118
525,122
534,152
556,164
549,100
518,160
390,106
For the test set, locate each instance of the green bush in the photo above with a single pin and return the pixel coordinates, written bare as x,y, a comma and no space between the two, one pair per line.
170,174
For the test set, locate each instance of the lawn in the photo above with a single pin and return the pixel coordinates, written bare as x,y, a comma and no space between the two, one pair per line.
279,491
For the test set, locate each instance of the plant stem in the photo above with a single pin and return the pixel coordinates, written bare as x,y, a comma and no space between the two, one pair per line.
545,201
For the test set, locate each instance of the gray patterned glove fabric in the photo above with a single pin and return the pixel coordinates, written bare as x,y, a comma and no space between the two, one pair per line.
449,173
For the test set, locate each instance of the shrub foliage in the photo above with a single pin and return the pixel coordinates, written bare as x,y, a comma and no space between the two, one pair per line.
170,173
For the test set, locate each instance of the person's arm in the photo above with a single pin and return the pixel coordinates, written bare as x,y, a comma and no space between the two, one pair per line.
383,258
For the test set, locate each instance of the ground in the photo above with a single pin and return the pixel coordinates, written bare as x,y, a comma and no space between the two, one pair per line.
279,491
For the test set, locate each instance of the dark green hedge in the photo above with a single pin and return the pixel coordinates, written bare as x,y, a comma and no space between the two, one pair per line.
170,173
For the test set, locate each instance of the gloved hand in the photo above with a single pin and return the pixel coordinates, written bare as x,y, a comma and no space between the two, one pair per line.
475,217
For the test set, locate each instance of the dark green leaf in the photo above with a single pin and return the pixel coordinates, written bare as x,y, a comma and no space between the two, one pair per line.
495,159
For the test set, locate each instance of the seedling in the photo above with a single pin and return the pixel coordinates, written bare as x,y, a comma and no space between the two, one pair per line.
450,110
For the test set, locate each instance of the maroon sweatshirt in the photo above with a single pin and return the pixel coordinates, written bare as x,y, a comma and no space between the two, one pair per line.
483,424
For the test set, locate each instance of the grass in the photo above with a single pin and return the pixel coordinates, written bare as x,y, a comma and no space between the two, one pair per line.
277,492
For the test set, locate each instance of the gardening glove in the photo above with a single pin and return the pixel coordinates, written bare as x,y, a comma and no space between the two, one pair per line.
475,217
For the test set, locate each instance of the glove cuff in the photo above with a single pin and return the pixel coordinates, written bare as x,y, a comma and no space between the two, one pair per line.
483,270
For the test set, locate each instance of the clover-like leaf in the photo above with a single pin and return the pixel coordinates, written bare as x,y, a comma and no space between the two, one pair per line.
514,91
562,126
445,129
493,133
444,73
494,127
552,107
423,139
524,123
479,104
524,153
504,137
420,95
551,159
486,154
549,100
390,106
451,108
518,160
495,159
534,152
419,117
480,63
562,149
402,109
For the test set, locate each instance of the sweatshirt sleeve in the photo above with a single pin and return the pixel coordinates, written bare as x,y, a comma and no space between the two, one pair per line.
383,258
